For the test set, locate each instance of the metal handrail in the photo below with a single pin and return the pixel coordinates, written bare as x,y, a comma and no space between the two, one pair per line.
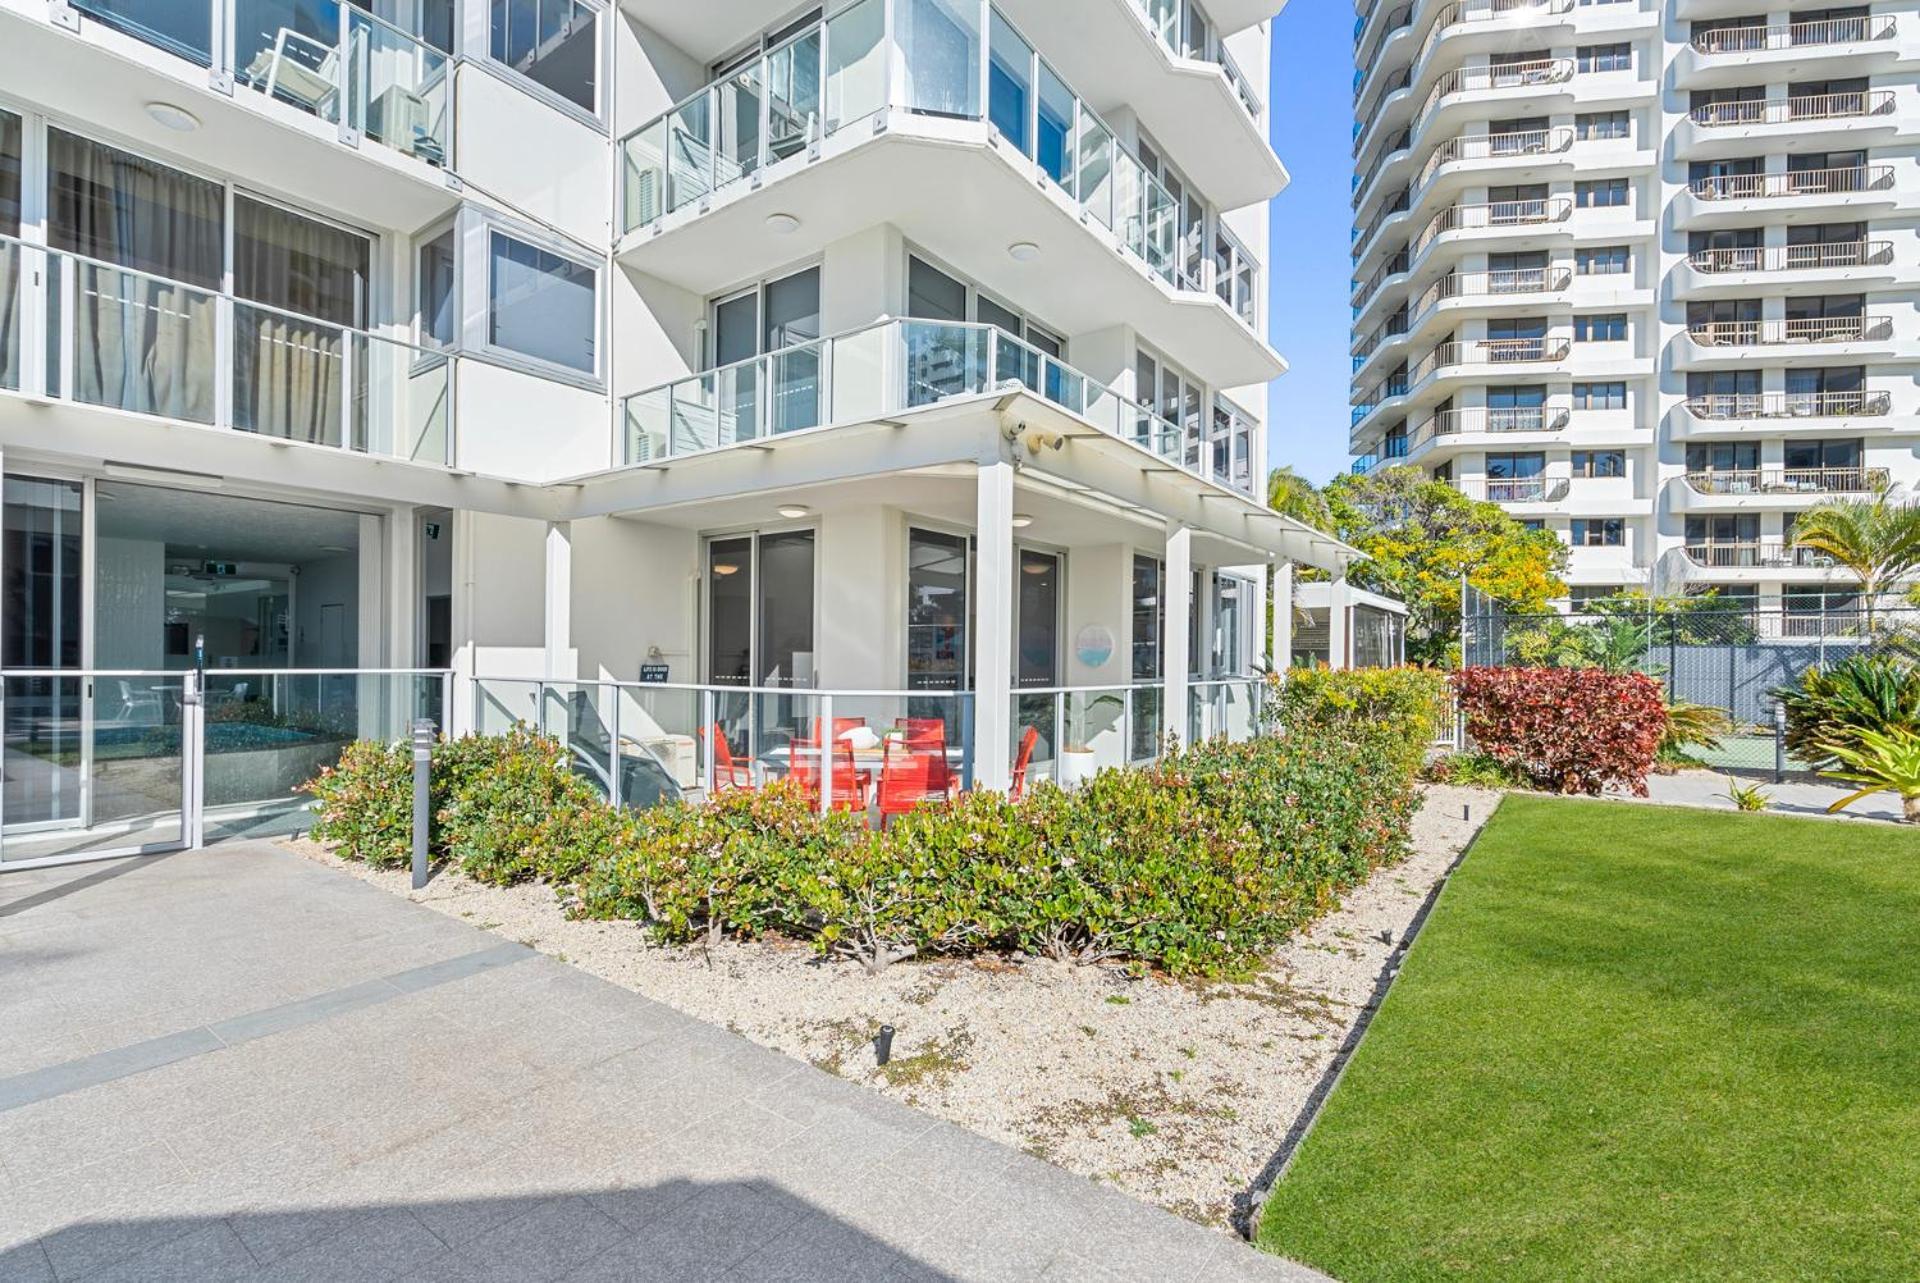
1796,35
1524,280
1445,20
1778,111
1804,182
1489,216
1528,418
1791,258
1755,481
1755,554
1515,489
1811,329
1791,405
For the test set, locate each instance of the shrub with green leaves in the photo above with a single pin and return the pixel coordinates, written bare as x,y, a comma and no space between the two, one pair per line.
512,808
1831,707
363,804
1405,707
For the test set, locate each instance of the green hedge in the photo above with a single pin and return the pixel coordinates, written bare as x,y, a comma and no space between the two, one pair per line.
1200,863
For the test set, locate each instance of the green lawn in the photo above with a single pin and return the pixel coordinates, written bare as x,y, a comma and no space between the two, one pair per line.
1636,1043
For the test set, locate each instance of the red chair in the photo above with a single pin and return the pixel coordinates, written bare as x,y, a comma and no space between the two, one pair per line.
730,773
923,732
841,725
850,783
1021,761
912,776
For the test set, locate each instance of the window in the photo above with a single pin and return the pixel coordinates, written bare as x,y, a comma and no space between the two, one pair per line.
778,316
1600,396
541,305
1607,327
1601,260
1533,524
1149,616
438,319
760,614
1593,126
1604,193
9,174
938,610
1599,463
554,43
1614,57
1599,532
110,204
1587,595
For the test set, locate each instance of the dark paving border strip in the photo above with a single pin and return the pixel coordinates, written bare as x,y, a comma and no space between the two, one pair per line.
102,1067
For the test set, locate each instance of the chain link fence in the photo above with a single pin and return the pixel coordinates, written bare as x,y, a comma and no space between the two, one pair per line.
1723,653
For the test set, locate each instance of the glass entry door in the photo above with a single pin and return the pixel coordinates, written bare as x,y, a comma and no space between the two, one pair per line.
1037,598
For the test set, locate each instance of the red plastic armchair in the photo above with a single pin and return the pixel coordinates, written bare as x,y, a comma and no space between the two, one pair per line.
911,776
850,783
1021,761
730,774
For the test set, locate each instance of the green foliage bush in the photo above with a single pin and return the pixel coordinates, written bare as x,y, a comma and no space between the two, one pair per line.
1405,707
363,805
1198,864
1830,707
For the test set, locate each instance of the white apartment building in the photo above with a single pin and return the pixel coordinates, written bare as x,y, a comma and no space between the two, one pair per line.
790,364
1643,271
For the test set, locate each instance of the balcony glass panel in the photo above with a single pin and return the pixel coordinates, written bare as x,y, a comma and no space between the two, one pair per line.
290,51
941,44
1010,84
856,61
690,152
793,93
183,28
1056,110
945,360
1098,184
9,315
130,341
736,116
399,89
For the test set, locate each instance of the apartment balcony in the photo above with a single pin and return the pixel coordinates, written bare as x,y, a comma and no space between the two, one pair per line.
1773,489
361,106
127,365
1847,46
1237,15
1484,428
1467,294
1818,340
1865,118
1029,193
1804,414
1469,160
1522,492
1752,561
1837,267
926,369
1382,39
1196,101
1731,200
1461,95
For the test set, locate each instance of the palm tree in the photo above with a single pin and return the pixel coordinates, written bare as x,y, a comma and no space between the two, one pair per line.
1877,539
1292,495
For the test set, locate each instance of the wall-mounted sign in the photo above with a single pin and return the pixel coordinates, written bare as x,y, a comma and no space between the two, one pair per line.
653,673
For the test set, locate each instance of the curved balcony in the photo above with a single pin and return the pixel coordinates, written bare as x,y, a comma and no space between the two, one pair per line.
1785,268
1458,359
1740,489
1733,55
1500,422
1722,343
1369,60
1807,413
1866,117
1510,225
1519,285
1471,158
1516,490
1729,199
1465,27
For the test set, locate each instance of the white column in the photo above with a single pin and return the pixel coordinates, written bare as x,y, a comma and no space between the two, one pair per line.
559,601
993,627
1282,607
1339,611
1179,615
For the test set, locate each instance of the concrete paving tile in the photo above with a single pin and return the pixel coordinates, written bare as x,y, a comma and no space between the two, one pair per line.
379,1245
548,1241
953,1160
25,1263
703,1238
1070,1267
819,1249
211,1253
637,1202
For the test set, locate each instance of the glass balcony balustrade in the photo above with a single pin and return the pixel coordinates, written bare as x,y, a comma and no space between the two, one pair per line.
897,366
950,59
331,59
81,330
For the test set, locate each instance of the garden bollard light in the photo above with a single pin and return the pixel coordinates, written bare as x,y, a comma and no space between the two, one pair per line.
1779,743
422,797
883,1045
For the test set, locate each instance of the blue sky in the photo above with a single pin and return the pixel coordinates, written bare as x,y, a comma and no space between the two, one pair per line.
1308,272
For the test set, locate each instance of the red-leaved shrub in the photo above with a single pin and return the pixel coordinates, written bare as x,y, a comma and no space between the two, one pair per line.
1571,730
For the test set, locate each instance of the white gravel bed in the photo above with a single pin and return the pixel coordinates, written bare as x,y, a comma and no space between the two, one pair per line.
1178,1093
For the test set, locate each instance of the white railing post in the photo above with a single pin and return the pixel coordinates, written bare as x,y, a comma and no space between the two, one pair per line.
613,752
346,381
823,742
1059,735
710,727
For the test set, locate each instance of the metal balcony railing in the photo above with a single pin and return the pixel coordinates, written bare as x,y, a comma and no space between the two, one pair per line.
1165,18
1799,35
1811,329
1515,489
1788,481
1391,329
94,333
1525,280
1492,352
1758,554
1363,293
832,76
899,366
1781,111
1516,214
1367,62
1363,183
1805,182
1790,405
334,60
1524,418
1521,144
1447,20
1793,258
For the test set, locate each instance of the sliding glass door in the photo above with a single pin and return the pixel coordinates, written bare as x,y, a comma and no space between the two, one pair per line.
40,621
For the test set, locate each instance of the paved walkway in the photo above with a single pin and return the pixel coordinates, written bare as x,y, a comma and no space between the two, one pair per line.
1796,795
236,1064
